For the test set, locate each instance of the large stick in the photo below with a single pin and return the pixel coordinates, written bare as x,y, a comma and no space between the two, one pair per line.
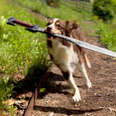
35,28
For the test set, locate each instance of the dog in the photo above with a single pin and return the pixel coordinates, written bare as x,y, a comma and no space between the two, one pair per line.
66,55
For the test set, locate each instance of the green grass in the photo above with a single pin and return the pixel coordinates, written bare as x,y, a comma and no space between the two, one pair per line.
19,49
66,10
18,44
107,34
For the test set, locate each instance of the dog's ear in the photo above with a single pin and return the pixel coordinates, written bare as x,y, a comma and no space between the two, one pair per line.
62,24
67,22
71,25
75,25
68,25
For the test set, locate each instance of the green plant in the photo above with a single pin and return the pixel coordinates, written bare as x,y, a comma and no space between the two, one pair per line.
6,88
105,9
107,35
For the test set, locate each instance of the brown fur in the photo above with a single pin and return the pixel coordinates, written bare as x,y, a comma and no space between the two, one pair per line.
73,30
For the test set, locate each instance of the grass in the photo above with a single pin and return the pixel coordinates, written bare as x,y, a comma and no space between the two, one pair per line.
20,45
19,49
66,10
107,33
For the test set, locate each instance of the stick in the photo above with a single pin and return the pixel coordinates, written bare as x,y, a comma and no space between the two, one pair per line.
35,28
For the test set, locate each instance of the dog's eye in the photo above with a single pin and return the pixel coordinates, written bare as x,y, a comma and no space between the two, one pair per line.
59,27
57,23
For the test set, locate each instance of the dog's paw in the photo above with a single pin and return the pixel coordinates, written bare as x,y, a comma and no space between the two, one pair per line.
89,84
76,97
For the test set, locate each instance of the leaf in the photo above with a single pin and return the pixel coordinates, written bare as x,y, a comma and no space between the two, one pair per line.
42,90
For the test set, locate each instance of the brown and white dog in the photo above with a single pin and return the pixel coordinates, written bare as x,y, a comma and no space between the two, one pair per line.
66,55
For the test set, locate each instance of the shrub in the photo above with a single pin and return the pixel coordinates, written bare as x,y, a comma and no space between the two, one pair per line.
105,9
107,35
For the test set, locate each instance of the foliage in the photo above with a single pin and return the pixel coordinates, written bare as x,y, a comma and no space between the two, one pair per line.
107,35
6,87
22,47
105,9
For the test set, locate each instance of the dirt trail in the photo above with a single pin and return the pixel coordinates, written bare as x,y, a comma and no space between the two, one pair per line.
100,100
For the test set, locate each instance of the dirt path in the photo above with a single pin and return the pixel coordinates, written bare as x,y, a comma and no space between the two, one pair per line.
100,100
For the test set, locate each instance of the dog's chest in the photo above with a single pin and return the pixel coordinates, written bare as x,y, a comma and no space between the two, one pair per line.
62,55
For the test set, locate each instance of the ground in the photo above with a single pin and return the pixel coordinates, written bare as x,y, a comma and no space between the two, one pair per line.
100,100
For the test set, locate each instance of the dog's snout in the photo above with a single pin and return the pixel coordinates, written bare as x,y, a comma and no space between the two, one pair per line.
49,29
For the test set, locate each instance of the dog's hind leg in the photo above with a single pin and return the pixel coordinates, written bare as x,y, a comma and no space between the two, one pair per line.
87,60
84,71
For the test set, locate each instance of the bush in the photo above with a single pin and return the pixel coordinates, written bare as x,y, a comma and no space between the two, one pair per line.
107,35
105,9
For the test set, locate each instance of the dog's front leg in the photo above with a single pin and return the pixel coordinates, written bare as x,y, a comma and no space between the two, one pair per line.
76,97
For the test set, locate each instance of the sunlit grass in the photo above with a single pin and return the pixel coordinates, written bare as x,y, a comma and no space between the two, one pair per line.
66,10
19,49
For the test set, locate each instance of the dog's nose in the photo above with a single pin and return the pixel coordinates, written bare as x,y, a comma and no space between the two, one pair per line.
49,29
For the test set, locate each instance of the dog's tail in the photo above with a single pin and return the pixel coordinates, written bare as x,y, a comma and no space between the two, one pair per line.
87,60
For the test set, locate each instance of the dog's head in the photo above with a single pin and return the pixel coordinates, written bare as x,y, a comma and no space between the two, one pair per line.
61,27
55,26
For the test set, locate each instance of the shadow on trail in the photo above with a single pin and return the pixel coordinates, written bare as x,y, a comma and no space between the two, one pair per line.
62,110
28,83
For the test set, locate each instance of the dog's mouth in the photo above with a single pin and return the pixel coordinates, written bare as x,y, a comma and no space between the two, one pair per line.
50,31
49,36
